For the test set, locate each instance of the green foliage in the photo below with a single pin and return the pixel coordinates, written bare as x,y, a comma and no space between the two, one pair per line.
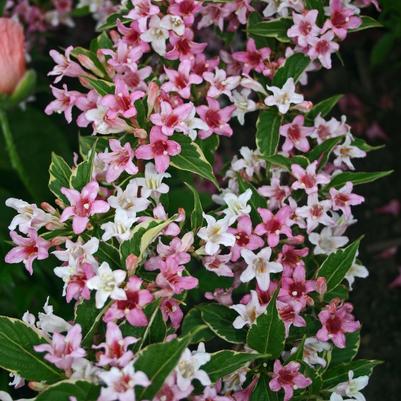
268,131
64,390
276,29
357,178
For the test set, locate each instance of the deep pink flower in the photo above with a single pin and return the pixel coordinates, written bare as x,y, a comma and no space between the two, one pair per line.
201,64
322,47
253,58
288,378
83,205
119,160
116,351
304,27
143,9
64,65
171,311
244,237
337,320
342,19
216,118
274,224
160,149
132,307
28,249
180,80
291,257
63,350
132,35
184,47
295,135
289,313
308,179
343,198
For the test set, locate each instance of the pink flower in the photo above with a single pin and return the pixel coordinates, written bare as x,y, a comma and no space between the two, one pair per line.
289,313
160,149
171,311
172,119
220,84
290,257
304,27
64,65
343,199
184,47
64,102
201,64
216,118
252,58
211,394
64,350
393,208
288,378
218,264
143,9
274,224
308,179
276,192
119,160
123,101
28,249
342,19
322,48
12,54
132,307
180,81
187,9
295,135
124,58
116,351
132,36
244,237
337,319
83,205
76,287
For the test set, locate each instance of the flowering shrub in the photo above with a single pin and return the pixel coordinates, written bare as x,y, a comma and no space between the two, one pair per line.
244,295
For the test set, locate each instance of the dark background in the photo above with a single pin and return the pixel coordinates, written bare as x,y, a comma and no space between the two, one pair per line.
368,74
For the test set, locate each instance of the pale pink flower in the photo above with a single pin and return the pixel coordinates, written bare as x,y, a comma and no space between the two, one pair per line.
12,55
83,205
220,83
274,224
186,9
343,198
337,320
180,80
28,249
132,307
115,349
219,264
216,118
296,135
159,149
211,394
304,27
307,179
64,65
322,47
288,378
392,208
132,35
315,212
143,9
64,102
64,350
119,160
275,192
124,57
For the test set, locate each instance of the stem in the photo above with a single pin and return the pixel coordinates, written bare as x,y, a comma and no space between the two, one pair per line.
15,160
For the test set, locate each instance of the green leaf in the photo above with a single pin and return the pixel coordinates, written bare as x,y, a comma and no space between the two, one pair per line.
337,265
101,86
322,151
347,354
363,145
192,159
286,162
82,174
276,29
267,333
219,319
197,211
209,147
225,362
193,322
268,131
157,361
63,391
262,392
256,200
108,253
87,142
339,374
323,108
367,23
294,67
60,173
17,354
111,21
357,178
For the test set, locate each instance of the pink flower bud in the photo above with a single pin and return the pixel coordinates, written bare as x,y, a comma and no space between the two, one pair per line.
321,286
12,55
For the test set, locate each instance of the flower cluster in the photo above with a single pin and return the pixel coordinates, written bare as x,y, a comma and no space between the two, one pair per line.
257,271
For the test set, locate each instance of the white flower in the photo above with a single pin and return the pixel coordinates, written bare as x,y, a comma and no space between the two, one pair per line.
215,234
101,124
326,242
192,124
130,201
173,23
235,380
284,97
29,216
251,161
243,104
346,152
49,322
120,228
312,348
237,205
188,368
260,267
248,313
356,270
107,283
156,35
78,251
153,181
282,7
350,389
84,370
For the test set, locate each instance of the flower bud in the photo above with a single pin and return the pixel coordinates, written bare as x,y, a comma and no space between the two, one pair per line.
12,55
